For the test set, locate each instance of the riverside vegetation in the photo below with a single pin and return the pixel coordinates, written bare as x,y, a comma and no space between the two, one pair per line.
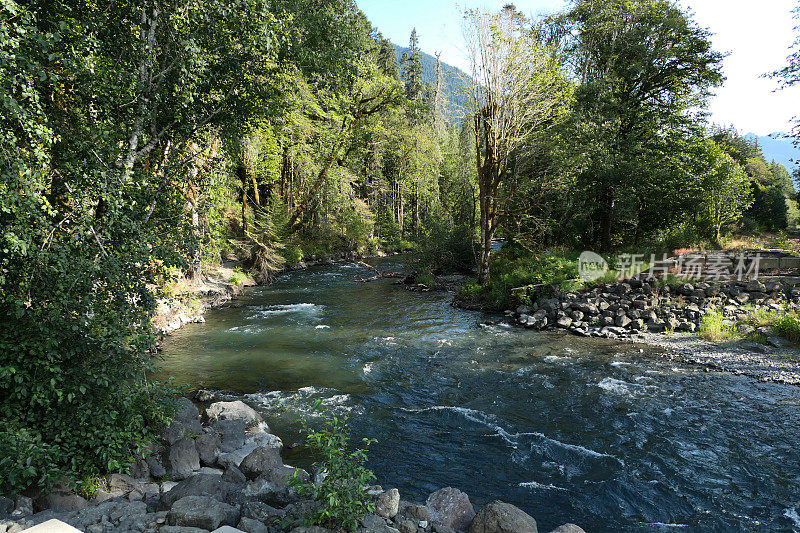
145,139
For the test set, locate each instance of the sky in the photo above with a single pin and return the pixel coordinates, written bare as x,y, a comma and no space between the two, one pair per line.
756,35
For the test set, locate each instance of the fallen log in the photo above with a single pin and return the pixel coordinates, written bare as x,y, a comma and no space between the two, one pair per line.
379,274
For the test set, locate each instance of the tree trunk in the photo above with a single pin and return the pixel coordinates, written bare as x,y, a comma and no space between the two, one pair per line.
606,217
241,173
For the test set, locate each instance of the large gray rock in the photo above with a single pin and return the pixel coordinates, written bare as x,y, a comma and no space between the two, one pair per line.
203,512
414,511
273,487
260,461
185,422
23,506
568,528
6,506
155,463
388,504
248,525
262,512
500,517
115,512
450,507
181,529
233,475
200,485
373,523
237,410
62,500
232,432
183,459
208,446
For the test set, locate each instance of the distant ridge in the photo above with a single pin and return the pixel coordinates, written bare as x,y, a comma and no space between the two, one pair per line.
453,82
778,147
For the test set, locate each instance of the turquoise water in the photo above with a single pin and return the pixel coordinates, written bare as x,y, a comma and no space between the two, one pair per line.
568,429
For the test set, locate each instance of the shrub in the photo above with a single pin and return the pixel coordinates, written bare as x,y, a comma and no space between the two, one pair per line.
446,248
341,493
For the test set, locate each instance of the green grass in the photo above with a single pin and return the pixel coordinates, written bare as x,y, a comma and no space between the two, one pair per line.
716,327
787,325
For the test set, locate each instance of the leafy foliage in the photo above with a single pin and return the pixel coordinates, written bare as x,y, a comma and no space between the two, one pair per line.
341,493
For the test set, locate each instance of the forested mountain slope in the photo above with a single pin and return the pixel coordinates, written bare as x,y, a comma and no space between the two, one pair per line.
455,83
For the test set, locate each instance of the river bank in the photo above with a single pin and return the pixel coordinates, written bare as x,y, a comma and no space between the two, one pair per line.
190,298
222,466
672,316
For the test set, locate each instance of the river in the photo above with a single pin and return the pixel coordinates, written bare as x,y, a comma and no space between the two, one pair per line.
602,434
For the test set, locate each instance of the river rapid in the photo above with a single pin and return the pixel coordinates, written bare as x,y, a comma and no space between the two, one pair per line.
602,434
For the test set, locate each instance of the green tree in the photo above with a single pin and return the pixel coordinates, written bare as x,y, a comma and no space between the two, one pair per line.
727,191
411,68
107,111
644,68
517,92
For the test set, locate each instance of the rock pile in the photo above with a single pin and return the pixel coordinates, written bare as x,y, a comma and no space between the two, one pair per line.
620,309
226,475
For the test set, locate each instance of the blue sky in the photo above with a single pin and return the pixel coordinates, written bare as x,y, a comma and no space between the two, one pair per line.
756,34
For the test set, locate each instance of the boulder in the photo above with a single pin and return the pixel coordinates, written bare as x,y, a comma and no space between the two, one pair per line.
181,529
183,459
155,464
140,470
450,507
62,500
203,512
208,445
204,396
237,410
406,526
6,506
23,506
232,432
273,487
373,522
184,423
233,475
414,511
248,525
260,461
199,485
568,528
564,322
261,512
500,517
115,512
388,504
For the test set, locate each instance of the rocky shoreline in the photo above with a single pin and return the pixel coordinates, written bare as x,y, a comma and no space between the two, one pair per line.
222,471
666,316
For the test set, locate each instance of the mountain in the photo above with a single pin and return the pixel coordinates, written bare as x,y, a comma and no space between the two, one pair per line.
780,148
454,84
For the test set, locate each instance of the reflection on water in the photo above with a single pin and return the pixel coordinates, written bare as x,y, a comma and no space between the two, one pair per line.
569,429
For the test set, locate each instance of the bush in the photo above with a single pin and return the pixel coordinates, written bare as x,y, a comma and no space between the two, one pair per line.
341,493
446,248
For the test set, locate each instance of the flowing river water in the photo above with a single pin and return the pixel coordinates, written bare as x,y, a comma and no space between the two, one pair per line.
570,430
